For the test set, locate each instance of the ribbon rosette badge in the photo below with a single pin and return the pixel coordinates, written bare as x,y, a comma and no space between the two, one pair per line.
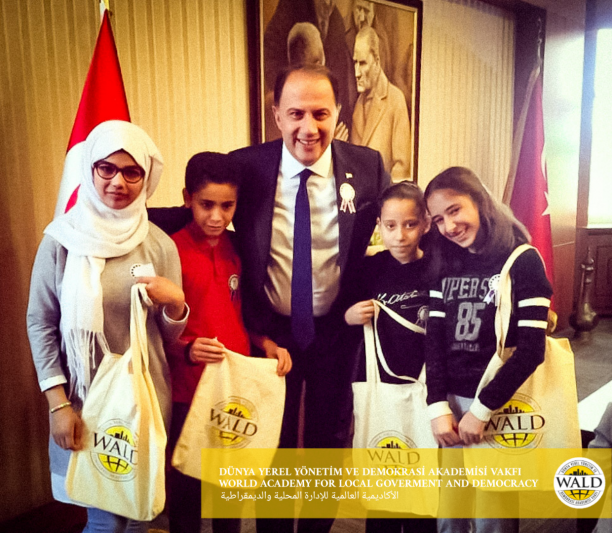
493,294
347,193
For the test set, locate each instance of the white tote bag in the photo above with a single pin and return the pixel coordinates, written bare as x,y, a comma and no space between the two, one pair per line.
238,404
543,413
121,466
392,416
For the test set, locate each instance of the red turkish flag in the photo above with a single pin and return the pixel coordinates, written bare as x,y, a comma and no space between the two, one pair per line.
528,191
103,99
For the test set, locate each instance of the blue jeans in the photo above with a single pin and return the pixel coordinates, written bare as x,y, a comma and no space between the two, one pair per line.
99,521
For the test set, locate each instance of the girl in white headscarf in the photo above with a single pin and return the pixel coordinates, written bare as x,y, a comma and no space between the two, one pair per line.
79,306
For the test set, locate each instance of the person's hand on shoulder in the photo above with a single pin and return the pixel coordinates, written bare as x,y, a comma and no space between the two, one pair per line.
360,313
341,132
164,292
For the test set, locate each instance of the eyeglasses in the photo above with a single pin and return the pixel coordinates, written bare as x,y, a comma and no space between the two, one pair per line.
107,171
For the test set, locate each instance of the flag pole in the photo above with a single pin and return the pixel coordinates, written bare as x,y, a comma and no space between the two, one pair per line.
527,186
104,6
103,98
520,127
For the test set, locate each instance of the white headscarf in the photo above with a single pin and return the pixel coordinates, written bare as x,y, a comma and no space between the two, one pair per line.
93,232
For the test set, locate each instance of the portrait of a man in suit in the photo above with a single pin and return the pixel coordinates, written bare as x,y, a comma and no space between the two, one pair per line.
363,15
325,31
325,17
304,45
380,117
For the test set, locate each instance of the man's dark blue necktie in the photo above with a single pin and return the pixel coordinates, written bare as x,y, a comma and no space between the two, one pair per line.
302,321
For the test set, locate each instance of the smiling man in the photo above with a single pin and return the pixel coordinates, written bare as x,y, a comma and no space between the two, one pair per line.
304,217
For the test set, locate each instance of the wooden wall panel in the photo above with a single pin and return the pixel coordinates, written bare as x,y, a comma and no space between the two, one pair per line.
599,240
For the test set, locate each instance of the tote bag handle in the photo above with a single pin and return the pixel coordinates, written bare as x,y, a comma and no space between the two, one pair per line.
502,315
373,348
504,303
139,344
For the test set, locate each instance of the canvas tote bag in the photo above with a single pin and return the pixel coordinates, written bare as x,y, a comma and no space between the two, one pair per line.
543,412
121,466
238,404
391,417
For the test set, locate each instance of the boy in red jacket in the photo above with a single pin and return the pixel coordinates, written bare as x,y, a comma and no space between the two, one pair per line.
211,282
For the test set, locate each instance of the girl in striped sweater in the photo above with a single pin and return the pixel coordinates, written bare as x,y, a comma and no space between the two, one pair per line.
476,234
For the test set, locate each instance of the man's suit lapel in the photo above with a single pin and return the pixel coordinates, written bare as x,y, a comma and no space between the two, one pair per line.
343,168
265,211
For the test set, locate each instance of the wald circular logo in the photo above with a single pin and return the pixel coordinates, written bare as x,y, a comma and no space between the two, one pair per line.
392,449
115,450
392,440
579,483
234,421
516,426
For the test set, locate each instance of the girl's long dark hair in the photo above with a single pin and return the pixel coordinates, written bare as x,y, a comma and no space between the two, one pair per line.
501,231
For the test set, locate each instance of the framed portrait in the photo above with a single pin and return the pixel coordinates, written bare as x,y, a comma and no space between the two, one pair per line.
373,48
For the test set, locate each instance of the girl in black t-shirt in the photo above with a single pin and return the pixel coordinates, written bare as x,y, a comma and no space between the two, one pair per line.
397,277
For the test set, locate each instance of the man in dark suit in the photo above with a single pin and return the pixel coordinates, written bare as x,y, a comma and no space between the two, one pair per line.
342,190
297,280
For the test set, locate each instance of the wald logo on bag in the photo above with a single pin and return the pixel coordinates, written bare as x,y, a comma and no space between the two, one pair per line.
221,416
392,442
517,425
234,422
115,451
392,450
391,439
